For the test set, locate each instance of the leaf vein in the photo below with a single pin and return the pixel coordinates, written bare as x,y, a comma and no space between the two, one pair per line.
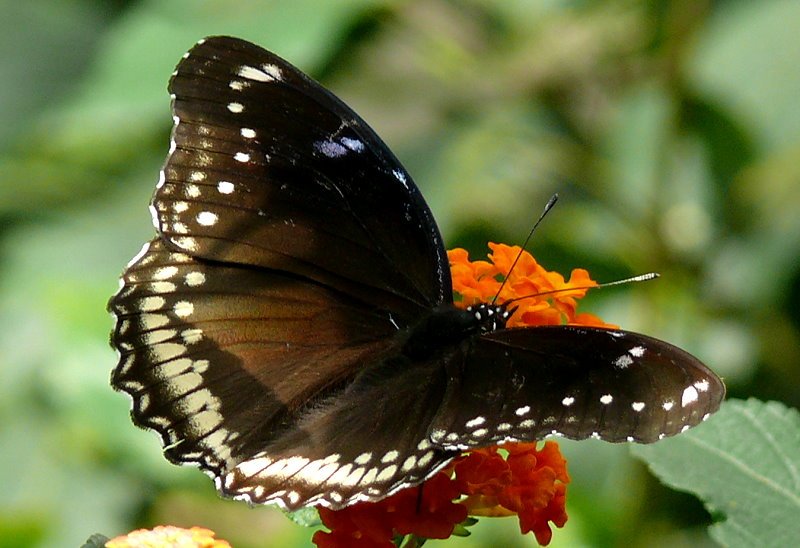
791,497
772,442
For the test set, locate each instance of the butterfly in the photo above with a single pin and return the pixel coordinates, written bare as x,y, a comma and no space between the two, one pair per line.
291,327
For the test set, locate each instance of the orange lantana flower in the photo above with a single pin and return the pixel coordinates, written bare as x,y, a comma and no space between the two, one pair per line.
429,514
166,536
549,299
512,479
530,483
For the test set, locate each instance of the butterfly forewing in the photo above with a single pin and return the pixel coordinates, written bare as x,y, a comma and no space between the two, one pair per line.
269,169
525,384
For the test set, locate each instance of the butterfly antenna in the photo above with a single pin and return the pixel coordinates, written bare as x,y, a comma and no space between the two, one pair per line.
632,279
547,207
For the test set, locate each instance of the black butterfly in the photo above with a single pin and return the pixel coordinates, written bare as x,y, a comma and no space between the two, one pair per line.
291,328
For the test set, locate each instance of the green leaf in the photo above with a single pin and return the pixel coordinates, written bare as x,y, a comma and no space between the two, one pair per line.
307,517
745,465
460,530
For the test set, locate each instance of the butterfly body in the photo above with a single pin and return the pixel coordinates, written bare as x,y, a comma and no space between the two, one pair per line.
291,328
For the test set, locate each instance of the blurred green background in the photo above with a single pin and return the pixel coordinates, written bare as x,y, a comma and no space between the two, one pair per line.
671,130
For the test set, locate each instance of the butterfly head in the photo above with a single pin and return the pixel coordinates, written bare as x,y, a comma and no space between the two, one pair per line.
490,317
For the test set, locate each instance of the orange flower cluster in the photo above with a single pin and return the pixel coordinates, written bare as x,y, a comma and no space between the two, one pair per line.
529,483
426,511
549,299
166,536
513,479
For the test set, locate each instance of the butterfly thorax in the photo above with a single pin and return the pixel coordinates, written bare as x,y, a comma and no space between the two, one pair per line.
447,325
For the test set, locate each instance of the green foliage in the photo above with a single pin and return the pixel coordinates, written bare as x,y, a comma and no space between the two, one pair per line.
670,129
95,541
745,464
307,517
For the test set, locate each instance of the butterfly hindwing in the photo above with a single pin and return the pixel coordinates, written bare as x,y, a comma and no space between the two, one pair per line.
360,445
221,360
576,382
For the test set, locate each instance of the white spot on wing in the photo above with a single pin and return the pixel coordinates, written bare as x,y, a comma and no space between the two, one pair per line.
702,386
163,287
183,309
249,468
569,400
400,176
637,351
340,475
236,108
207,218
667,405
152,303
369,477
637,406
193,279
477,421
273,70
252,73
409,463
606,399
159,336
283,468
623,361
689,396
173,368
241,157
153,321
523,410
387,473
354,477
248,133
353,144
425,459
225,187
165,273
330,149
192,336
